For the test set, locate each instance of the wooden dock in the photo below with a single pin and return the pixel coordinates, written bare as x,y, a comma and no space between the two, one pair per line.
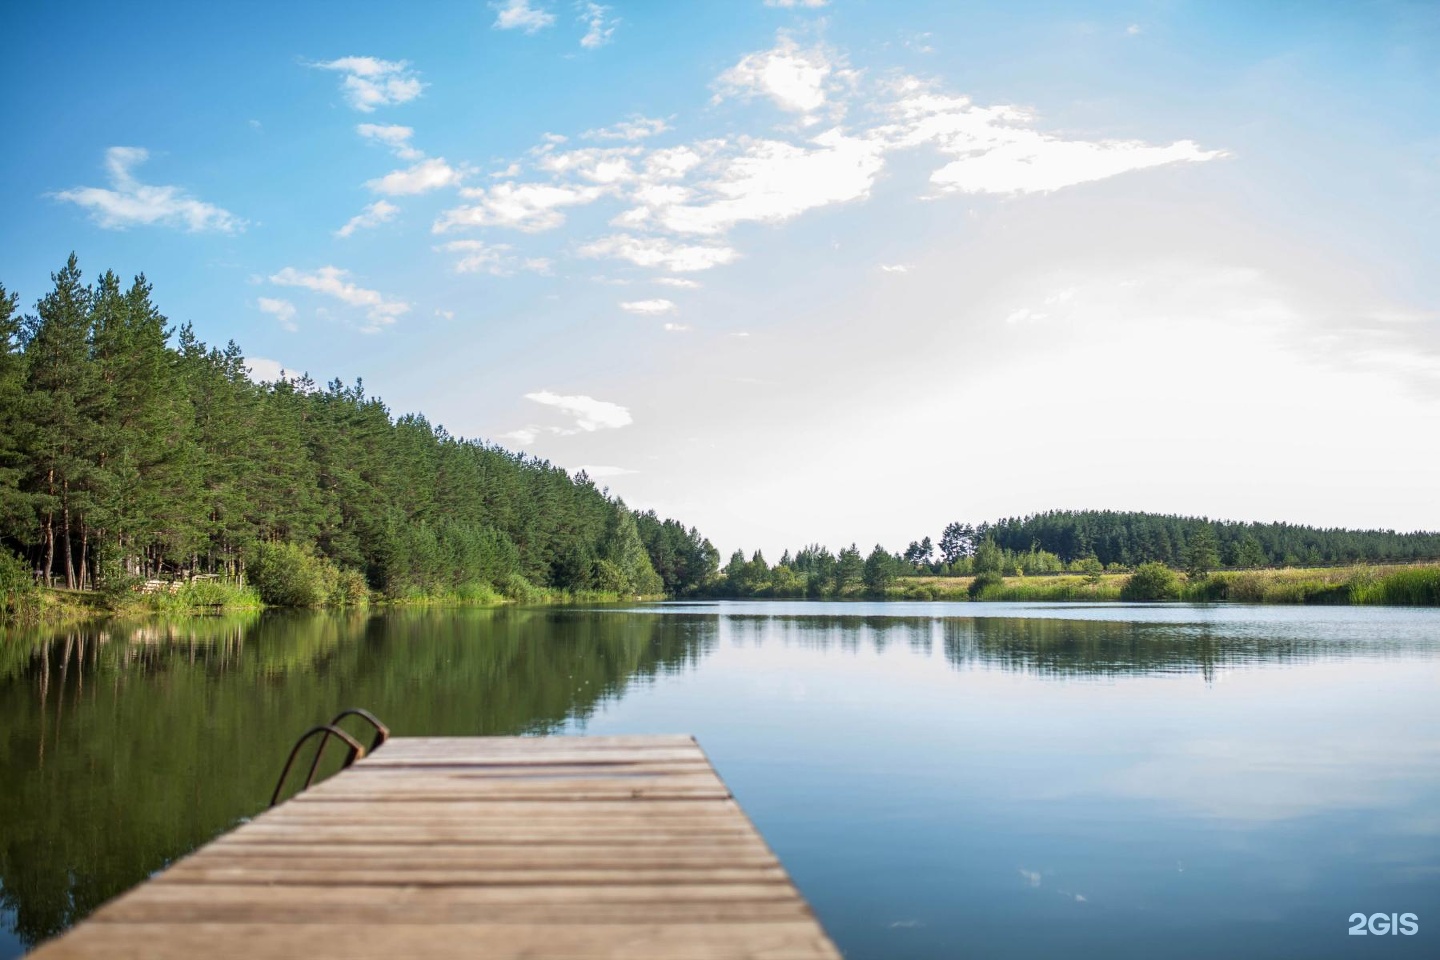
573,847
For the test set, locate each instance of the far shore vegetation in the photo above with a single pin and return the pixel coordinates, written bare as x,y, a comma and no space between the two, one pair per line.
140,475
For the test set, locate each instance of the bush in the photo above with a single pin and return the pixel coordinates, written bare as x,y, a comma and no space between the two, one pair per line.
350,589
1091,567
982,581
287,575
516,587
17,588
1151,581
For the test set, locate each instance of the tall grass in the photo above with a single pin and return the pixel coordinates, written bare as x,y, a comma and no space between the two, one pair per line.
1417,585
201,595
1397,586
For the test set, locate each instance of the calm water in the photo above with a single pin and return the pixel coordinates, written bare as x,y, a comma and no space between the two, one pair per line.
941,779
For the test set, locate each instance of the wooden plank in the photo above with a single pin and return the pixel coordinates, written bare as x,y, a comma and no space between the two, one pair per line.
497,855
776,940
283,873
501,847
444,832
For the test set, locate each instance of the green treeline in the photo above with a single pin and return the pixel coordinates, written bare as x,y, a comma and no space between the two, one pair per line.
1130,539
1099,550
125,457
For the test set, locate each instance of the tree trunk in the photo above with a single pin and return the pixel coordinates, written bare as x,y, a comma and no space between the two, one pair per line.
49,548
65,529
85,577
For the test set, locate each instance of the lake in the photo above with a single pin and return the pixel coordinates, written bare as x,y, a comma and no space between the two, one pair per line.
946,779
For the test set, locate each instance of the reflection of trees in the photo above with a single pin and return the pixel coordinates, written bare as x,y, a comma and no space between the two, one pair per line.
1106,648
1054,646
122,747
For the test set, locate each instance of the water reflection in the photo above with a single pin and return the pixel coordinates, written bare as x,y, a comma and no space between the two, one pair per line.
1052,646
931,774
124,746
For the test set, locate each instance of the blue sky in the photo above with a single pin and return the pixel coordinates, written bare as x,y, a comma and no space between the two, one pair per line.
791,272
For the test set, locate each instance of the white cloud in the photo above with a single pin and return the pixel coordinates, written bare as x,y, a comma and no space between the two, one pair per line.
394,136
519,15
371,83
676,327
332,282
599,472
600,25
1000,153
678,282
129,202
706,188
530,207
496,259
264,370
590,414
895,267
648,308
636,128
524,436
422,177
1133,29
772,181
606,166
794,79
282,310
381,211
1040,164
445,314
796,3
659,252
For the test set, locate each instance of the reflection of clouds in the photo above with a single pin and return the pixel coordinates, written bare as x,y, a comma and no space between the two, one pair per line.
1280,778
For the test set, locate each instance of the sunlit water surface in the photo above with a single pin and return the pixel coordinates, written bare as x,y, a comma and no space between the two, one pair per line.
988,780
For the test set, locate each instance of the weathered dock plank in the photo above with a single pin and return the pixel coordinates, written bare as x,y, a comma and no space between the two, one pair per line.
575,847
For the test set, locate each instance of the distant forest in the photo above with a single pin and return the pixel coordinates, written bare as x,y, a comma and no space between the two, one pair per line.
1083,542
1128,539
125,456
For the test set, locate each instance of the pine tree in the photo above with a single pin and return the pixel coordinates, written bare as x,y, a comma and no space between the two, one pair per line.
59,404
15,519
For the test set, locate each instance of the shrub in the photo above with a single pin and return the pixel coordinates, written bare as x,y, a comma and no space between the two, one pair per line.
983,581
1151,581
350,589
17,589
287,575
1091,567
516,587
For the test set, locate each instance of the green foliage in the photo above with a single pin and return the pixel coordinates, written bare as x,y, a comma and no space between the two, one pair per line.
1131,538
849,568
989,558
880,569
200,595
17,589
985,580
1201,553
287,575
685,561
1151,581
125,457
1091,567
1416,587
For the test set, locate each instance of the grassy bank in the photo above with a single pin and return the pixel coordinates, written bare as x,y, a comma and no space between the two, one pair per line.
57,606
1416,585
